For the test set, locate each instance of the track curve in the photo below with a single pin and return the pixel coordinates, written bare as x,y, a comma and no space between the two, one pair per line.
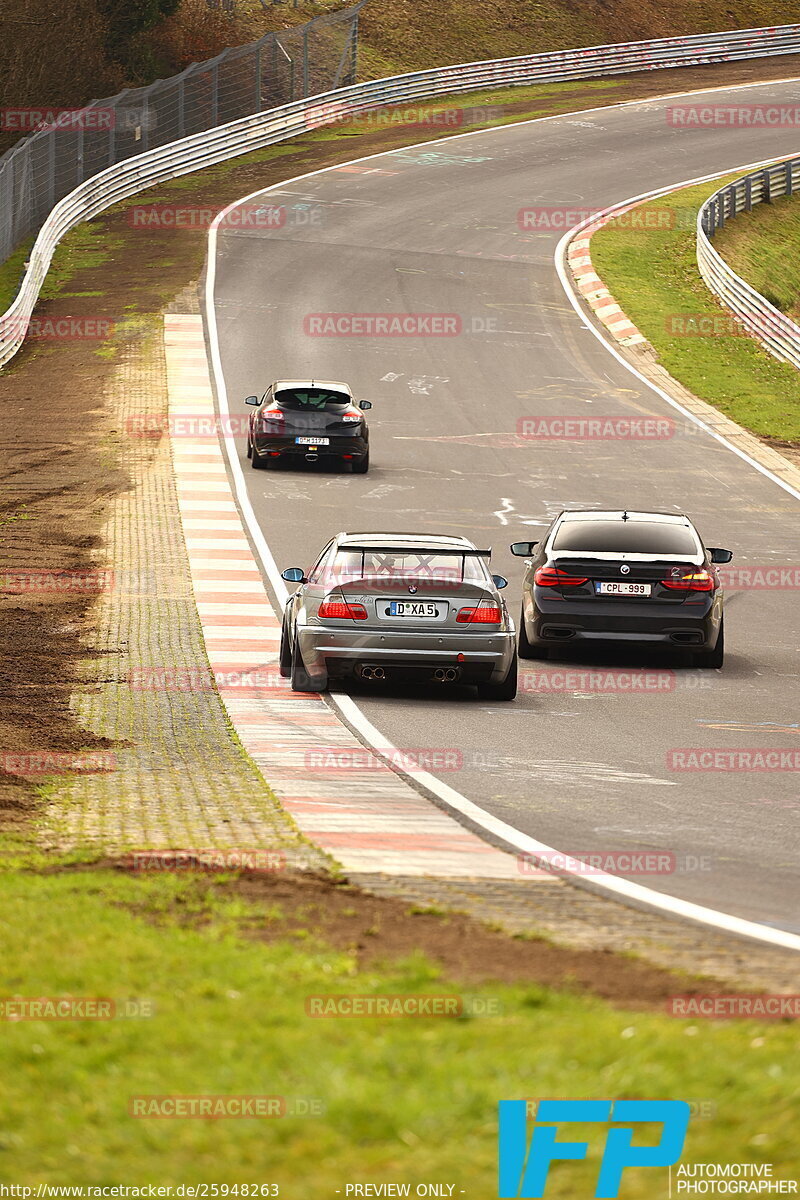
434,229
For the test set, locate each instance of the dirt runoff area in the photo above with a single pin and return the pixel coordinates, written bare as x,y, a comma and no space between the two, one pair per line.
60,449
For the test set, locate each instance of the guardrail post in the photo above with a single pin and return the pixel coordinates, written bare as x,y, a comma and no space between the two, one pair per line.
789,188
766,196
182,108
748,194
51,170
720,212
79,155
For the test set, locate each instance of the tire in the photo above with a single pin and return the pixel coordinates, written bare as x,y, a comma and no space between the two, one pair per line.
362,465
285,659
506,689
301,680
713,658
256,462
249,448
526,650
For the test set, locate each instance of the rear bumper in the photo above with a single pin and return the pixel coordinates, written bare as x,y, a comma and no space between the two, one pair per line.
693,624
340,447
340,653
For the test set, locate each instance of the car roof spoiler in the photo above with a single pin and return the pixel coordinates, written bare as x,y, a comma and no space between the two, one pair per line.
460,552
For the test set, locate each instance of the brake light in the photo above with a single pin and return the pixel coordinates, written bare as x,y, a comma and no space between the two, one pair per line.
554,577
272,414
342,610
486,614
694,581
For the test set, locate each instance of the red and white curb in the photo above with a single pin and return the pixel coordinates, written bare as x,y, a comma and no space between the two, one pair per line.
341,795
594,291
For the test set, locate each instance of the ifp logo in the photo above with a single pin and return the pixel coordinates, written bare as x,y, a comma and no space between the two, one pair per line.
524,1169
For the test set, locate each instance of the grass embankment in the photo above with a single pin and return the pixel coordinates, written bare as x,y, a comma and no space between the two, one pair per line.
397,1099
652,273
763,246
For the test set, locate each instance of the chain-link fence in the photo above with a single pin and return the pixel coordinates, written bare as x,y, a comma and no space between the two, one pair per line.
74,145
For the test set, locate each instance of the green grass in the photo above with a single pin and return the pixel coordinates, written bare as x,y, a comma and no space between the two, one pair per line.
653,275
763,246
403,1098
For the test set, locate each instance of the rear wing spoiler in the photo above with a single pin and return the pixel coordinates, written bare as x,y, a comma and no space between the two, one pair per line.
461,553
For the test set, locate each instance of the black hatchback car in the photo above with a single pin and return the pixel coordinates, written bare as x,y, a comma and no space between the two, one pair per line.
306,420
637,577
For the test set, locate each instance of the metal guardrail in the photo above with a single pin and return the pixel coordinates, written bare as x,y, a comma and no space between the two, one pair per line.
258,130
757,316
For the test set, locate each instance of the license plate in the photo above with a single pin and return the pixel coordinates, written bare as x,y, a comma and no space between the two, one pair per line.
623,589
423,610
309,441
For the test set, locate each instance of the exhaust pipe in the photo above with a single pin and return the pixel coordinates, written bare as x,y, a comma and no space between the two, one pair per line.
373,673
445,674
312,457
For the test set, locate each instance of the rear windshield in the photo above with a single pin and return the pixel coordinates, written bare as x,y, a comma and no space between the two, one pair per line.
310,399
628,537
399,566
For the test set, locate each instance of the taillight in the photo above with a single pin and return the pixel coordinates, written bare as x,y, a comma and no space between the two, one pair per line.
693,581
272,414
554,577
485,614
342,610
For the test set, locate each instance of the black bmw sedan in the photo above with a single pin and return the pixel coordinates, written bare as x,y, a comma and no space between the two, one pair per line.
637,577
307,420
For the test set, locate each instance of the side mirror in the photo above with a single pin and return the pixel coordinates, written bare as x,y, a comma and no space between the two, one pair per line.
500,581
365,404
522,549
718,555
252,400
293,575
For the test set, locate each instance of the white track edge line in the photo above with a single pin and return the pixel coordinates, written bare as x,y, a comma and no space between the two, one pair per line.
633,892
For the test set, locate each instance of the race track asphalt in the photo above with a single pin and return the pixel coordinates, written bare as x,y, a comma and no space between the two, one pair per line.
435,230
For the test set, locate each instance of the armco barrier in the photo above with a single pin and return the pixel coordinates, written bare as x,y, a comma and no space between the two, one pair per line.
266,128
775,331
